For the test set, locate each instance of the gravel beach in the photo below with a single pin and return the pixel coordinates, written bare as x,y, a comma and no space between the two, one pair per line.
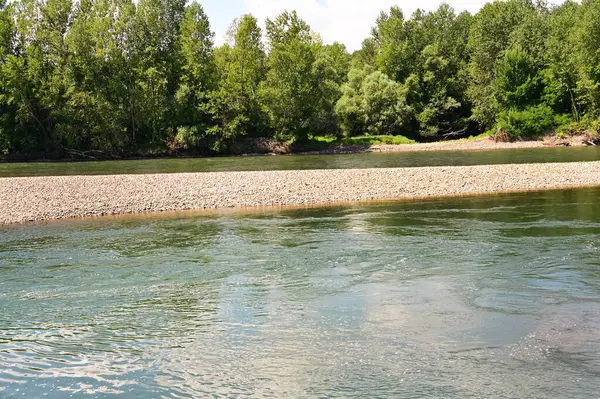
482,144
474,145
41,198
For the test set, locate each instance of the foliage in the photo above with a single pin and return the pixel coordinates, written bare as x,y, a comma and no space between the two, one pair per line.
196,78
518,82
120,75
372,103
374,140
234,106
530,121
324,142
291,91
489,37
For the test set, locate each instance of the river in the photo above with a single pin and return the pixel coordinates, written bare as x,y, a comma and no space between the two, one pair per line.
295,162
495,296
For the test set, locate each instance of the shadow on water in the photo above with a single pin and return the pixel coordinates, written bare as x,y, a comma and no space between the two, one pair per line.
493,296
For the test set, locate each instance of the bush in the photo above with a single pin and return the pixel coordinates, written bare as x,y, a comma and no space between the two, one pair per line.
373,140
188,136
373,104
531,121
590,124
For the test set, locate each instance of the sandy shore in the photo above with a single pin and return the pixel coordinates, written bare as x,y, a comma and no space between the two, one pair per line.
483,144
458,145
41,198
271,146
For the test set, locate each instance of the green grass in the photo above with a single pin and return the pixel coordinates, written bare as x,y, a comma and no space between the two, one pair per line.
480,136
372,140
326,141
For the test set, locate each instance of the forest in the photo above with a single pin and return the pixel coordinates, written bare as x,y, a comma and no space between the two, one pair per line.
118,76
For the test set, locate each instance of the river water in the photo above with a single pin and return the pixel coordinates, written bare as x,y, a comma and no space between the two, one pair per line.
478,297
295,162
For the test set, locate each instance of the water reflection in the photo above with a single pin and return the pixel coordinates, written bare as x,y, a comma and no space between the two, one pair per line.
473,297
301,162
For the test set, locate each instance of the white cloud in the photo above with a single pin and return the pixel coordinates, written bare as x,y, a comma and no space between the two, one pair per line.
346,21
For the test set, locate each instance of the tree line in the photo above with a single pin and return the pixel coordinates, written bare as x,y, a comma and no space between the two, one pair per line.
118,75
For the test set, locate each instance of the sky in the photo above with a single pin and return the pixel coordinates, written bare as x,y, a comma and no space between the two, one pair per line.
345,21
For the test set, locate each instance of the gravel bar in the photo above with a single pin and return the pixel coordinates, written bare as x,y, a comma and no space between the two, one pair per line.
25,199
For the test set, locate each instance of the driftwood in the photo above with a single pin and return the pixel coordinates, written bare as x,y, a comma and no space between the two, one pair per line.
458,133
82,154
563,144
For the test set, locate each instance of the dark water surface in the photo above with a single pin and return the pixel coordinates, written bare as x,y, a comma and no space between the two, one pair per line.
470,298
294,162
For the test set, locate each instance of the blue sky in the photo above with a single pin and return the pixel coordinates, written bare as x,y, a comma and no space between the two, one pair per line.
346,21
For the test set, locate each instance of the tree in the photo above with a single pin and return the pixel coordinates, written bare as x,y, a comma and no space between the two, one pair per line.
398,44
97,111
33,74
156,40
235,107
197,76
366,55
428,55
489,37
120,75
6,31
518,83
586,39
437,86
290,93
560,74
373,104
330,71
6,40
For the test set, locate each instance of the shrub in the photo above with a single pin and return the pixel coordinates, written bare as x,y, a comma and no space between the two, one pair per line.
188,136
373,104
531,121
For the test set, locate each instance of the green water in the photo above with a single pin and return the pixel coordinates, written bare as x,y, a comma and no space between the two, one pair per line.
468,298
294,162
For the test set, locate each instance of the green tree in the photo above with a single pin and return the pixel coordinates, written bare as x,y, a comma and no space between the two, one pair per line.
372,104
437,87
560,74
6,31
197,76
100,111
489,37
157,29
120,76
366,55
330,71
290,93
235,106
586,40
518,82
6,40
33,74
399,43
428,55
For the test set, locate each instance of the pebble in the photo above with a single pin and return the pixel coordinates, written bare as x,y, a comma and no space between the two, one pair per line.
25,199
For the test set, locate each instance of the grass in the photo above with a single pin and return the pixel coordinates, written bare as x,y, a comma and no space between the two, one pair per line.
327,141
480,136
372,140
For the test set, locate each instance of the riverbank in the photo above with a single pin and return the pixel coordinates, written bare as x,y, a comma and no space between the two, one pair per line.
351,145
42,198
483,144
322,145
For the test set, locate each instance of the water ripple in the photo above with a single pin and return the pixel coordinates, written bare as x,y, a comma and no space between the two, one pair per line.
481,297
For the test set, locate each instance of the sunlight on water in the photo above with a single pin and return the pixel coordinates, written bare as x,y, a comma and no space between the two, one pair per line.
474,297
